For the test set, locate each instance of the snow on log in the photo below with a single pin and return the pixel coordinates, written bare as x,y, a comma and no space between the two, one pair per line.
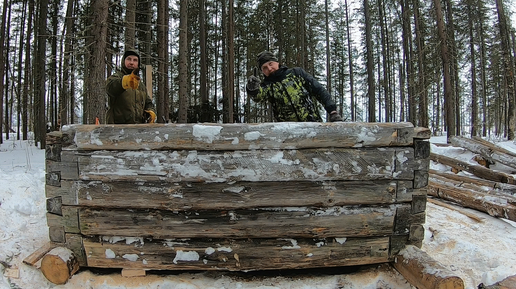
59,265
491,201
476,170
218,196
423,272
486,149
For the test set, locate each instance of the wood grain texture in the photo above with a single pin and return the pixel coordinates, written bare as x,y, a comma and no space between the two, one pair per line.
236,136
228,254
251,223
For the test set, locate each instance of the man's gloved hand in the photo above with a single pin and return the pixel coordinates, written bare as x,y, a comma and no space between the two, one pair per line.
253,83
131,80
335,116
150,116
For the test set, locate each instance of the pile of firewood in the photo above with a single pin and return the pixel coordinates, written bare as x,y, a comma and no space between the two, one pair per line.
481,188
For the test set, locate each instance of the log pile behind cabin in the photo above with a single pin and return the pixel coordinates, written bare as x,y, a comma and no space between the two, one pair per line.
236,196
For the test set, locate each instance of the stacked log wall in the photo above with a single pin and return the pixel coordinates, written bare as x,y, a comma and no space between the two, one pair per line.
236,196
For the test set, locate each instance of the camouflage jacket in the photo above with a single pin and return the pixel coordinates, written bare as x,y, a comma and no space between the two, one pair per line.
294,95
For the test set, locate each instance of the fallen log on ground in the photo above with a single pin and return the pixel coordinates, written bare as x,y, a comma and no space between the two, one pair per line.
486,149
468,195
503,187
424,272
476,170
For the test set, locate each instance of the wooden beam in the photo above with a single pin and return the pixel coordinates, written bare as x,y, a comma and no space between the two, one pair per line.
237,136
423,272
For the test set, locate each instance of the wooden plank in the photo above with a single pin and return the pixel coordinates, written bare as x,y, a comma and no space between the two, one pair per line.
33,258
238,195
458,209
405,218
423,272
356,221
133,273
268,165
243,254
237,136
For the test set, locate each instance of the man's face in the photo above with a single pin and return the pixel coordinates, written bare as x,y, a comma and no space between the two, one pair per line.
270,67
131,62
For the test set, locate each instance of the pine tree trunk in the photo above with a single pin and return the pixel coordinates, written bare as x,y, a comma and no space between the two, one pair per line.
183,62
449,101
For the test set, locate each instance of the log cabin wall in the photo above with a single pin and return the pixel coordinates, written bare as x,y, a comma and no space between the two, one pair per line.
236,196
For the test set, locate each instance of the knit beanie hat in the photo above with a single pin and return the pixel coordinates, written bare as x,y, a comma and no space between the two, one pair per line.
264,57
128,53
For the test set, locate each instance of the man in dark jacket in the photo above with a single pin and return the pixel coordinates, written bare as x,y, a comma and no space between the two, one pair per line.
128,100
293,93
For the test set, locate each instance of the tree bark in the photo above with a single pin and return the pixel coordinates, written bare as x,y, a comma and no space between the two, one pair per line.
183,62
449,100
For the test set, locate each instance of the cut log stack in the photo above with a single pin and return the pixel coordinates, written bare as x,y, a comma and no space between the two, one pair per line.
486,190
236,196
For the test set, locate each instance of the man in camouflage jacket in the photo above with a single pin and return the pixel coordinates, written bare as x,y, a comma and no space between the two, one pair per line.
293,93
128,100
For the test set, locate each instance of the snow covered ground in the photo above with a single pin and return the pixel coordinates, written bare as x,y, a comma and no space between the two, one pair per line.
479,250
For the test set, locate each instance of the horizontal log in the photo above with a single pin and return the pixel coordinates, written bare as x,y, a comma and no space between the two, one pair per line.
486,149
505,196
476,170
481,201
268,165
352,221
510,189
210,196
423,272
236,136
245,255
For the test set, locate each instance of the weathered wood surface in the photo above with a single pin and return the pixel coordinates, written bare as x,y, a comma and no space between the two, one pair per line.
424,272
231,166
486,149
504,187
36,256
237,136
210,196
290,195
253,223
242,254
476,170
491,202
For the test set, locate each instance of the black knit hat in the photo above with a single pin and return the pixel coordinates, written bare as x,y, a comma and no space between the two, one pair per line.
264,57
128,53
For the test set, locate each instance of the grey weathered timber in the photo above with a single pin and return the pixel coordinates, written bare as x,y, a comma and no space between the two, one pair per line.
237,196
237,136
486,149
238,254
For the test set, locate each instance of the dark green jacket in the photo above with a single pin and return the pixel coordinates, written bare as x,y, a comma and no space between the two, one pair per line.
294,95
126,105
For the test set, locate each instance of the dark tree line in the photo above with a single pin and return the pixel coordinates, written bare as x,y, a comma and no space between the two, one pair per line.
444,64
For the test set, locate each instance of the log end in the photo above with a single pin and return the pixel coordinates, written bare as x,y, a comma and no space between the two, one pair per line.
59,265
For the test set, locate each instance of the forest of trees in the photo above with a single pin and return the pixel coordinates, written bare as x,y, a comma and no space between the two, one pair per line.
443,64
